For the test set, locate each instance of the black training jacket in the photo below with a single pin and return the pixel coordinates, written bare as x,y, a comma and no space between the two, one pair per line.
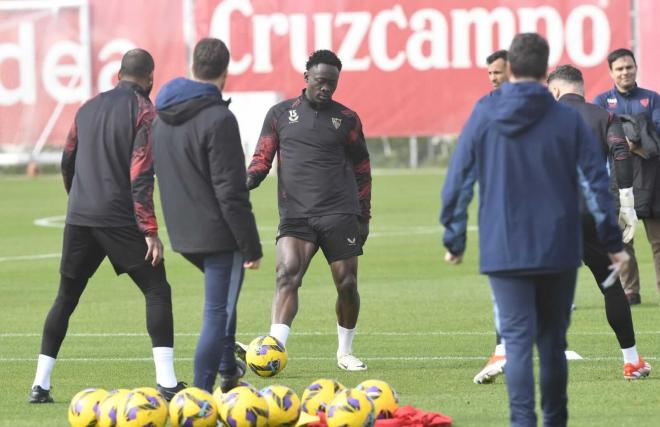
323,162
107,164
200,167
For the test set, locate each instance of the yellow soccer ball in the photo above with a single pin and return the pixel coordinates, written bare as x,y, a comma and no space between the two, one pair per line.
283,406
106,413
193,407
266,356
319,394
244,407
351,408
83,407
385,399
143,406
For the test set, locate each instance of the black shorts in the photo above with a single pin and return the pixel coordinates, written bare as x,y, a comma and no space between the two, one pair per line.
337,235
84,249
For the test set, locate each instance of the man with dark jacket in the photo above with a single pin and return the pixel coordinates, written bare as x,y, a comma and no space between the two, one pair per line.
324,196
567,86
529,154
626,98
108,174
200,167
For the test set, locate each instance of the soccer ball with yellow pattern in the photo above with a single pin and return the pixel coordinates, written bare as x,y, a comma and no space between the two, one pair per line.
266,356
193,407
243,407
283,406
351,408
106,413
83,406
385,399
143,406
318,394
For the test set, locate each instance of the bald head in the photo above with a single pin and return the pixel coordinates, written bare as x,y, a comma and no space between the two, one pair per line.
137,65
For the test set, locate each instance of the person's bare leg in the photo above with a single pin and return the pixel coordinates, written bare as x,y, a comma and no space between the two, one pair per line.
344,274
293,257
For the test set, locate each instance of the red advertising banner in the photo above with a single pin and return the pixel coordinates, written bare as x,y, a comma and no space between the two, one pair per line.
55,54
410,68
413,67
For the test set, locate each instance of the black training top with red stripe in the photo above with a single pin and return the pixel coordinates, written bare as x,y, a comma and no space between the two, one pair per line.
323,162
107,161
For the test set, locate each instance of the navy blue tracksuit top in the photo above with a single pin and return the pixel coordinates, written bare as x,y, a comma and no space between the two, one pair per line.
531,157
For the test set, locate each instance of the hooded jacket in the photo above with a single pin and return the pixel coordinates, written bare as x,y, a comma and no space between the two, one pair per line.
530,156
200,166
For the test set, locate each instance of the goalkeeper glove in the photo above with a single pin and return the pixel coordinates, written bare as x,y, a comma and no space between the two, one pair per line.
627,215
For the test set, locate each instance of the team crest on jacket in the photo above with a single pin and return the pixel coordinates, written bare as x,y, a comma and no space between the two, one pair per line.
644,102
293,116
611,102
336,122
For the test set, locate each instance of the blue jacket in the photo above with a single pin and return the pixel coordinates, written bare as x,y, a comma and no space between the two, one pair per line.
635,101
529,154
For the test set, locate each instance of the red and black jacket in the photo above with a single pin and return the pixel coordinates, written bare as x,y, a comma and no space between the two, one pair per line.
107,161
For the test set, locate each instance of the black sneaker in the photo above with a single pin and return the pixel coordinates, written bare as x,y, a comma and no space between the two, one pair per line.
169,392
227,382
39,395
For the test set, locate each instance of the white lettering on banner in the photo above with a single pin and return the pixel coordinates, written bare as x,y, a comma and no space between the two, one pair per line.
107,73
57,76
23,52
529,22
427,44
600,35
484,23
436,37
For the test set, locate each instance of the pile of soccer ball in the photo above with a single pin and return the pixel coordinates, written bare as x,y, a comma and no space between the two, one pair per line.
243,406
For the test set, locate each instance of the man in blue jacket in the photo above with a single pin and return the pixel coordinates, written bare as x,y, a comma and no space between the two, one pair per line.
628,98
530,155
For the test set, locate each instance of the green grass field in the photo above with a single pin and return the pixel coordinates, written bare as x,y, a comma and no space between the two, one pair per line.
425,327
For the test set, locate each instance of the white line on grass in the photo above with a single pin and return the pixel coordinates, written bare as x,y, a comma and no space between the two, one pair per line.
374,358
306,333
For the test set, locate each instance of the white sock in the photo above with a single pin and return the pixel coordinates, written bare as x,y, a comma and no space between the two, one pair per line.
345,338
45,366
164,361
499,350
280,331
630,355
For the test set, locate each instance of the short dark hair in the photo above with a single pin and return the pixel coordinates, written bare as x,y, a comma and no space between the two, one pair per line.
210,59
528,55
498,54
620,53
567,73
323,56
137,63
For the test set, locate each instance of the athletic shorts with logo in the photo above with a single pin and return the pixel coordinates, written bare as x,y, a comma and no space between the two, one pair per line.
337,235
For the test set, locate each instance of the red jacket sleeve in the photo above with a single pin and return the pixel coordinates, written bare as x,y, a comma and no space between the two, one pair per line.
68,165
142,170
359,156
264,153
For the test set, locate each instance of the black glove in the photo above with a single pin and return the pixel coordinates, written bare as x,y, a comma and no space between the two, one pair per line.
251,183
363,229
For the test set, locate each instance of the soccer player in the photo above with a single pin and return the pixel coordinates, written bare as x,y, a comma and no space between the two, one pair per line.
497,70
498,74
529,154
200,166
628,98
108,174
324,196
567,86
